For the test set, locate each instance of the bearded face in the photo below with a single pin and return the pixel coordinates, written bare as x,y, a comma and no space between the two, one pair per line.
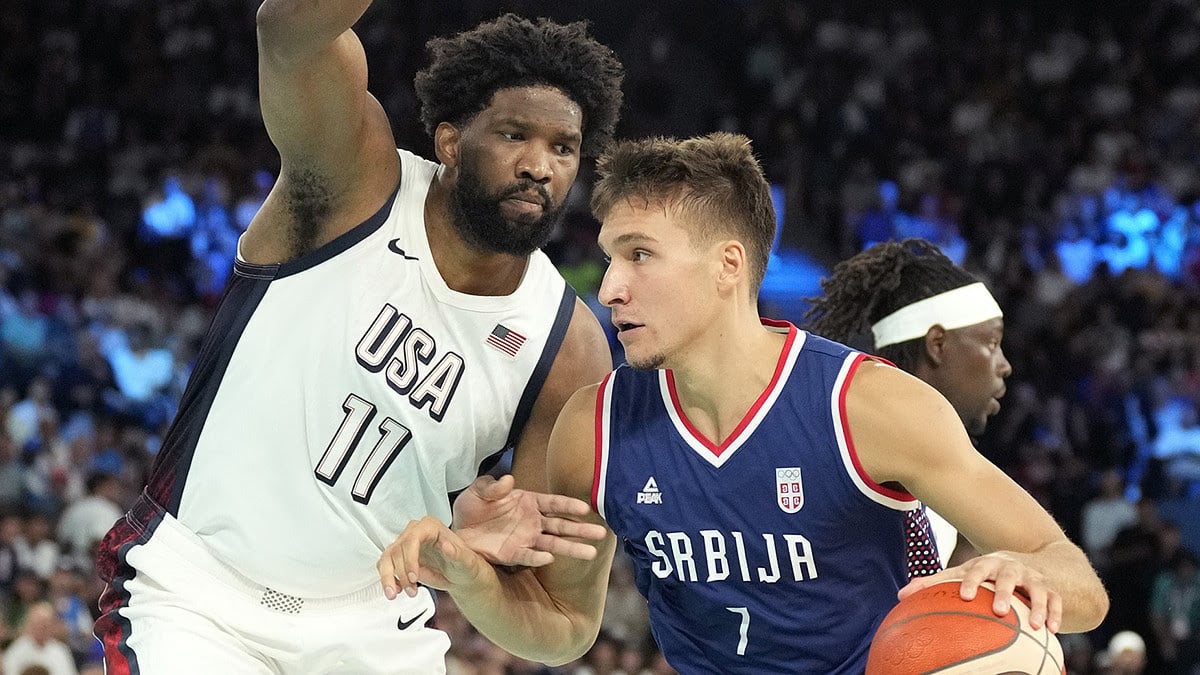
516,219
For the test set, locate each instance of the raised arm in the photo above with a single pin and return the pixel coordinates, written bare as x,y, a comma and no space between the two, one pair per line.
335,144
905,432
549,614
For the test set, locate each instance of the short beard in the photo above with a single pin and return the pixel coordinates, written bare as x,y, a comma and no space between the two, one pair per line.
477,217
652,363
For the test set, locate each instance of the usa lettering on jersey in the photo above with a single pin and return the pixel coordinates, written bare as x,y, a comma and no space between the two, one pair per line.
405,353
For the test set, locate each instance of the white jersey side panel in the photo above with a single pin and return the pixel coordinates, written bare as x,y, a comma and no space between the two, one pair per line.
361,392
944,535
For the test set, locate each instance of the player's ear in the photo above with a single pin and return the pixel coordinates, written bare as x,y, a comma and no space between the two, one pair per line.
446,138
935,344
733,263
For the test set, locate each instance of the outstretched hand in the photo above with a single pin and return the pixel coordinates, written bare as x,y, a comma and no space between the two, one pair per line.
509,526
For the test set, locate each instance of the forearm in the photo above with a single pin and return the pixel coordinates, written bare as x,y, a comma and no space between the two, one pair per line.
1069,574
513,609
290,27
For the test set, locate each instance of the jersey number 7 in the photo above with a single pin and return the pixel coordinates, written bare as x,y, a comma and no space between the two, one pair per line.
744,630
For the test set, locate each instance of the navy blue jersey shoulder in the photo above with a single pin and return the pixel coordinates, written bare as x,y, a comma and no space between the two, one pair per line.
815,345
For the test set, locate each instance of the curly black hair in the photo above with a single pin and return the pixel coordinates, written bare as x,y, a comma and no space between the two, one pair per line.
876,282
467,68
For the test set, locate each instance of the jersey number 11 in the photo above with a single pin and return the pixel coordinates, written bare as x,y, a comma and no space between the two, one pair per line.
393,436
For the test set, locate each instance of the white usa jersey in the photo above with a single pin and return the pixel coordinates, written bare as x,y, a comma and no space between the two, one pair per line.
340,395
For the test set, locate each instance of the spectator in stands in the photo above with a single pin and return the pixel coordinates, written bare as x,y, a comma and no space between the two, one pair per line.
1105,515
64,594
37,550
39,645
1126,654
142,370
1175,613
84,523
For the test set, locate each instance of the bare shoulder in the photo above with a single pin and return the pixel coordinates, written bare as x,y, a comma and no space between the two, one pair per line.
570,457
899,424
884,385
584,357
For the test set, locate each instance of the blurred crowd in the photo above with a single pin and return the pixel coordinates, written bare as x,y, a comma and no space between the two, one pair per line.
1050,147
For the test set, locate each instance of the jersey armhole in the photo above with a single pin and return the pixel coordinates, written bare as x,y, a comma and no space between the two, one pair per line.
880,494
600,467
533,387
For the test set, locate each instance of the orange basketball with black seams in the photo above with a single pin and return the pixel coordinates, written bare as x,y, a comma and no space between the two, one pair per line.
935,630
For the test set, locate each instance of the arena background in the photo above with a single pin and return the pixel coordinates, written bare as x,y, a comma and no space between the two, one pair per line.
1050,147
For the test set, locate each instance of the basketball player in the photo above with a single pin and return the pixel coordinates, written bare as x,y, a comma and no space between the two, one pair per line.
389,329
930,318
757,475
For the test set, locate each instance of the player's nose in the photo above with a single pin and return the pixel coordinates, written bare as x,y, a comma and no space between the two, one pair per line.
534,164
613,290
1003,368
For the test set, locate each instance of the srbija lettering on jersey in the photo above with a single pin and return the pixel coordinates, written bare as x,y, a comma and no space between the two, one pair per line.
339,395
768,553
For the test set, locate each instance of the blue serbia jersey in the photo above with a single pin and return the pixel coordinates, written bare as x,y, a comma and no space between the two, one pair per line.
771,552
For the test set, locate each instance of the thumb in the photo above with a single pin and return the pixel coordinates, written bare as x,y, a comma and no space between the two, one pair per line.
490,489
457,562
920,583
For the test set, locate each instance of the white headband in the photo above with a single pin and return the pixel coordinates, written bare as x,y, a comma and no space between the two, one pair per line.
964,306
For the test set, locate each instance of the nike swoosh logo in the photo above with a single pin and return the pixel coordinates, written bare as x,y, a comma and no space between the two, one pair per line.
394,247
402,624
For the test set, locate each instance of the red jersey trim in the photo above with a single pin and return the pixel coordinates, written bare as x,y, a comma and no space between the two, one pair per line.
599,460
750,414
899,495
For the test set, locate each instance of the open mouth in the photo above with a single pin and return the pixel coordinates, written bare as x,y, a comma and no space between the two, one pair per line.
623,326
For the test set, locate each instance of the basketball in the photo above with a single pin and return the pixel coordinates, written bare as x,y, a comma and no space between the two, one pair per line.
936,630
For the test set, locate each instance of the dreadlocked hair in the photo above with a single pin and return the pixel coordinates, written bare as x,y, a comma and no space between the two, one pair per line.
466,69
878,281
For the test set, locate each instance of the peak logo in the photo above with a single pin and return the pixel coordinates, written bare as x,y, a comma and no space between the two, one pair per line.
650,494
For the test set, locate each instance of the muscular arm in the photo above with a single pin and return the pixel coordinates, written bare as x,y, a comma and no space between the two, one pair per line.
583,359
335,144
549,614
514,520
905,432
565,619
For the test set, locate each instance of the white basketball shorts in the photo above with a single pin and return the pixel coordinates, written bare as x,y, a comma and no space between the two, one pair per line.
171,607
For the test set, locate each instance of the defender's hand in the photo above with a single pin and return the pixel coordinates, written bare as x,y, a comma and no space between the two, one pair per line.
428,553
508,526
